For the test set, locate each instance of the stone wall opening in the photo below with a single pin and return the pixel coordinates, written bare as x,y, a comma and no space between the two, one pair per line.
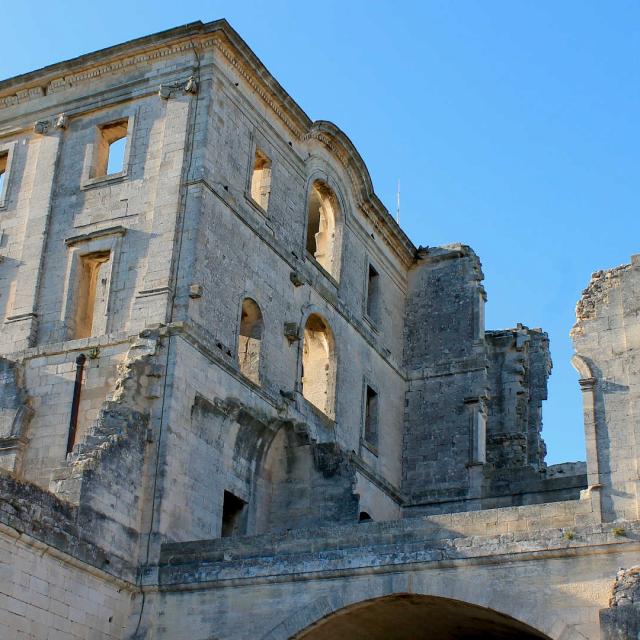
302,484
373,295
416,617
319,365
92,293
261,179
371,417
233,515
321,226
111,147
250,340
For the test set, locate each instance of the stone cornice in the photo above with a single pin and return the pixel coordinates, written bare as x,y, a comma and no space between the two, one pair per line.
195,36
220,37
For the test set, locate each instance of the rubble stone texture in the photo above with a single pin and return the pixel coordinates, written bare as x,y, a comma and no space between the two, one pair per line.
237,402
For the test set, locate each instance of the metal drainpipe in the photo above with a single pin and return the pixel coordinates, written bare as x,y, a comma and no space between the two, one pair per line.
75,403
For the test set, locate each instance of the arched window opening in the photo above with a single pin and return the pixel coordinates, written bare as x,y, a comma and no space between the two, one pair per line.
250,340
318,365
321,226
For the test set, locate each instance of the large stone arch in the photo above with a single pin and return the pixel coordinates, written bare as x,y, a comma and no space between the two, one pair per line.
469,596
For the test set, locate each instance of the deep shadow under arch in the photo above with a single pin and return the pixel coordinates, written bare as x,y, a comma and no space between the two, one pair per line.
417,617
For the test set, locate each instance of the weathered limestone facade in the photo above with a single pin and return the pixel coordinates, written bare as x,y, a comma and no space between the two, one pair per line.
237,402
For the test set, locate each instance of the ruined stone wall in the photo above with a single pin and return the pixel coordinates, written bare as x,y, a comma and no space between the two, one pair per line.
445,358
231,250
606,338
519,367
221,434
49,381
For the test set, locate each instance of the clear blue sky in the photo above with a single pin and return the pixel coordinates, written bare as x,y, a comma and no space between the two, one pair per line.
514,126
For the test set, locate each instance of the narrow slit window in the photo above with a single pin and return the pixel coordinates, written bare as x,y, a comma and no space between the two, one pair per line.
373,295
261,179
371,417
232,515
4,161
92,294
111,148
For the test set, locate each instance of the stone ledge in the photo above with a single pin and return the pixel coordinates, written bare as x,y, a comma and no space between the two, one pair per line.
196,563
467,524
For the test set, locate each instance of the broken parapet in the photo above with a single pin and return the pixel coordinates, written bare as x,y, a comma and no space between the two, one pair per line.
606,339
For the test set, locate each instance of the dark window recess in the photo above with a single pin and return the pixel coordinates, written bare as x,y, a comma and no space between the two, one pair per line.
4,161
364,517
232,515
373,294
371,417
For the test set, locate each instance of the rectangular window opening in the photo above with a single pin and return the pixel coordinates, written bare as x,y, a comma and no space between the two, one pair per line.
92,294
373,294
233,509
371,417
4,161
111,148
261,180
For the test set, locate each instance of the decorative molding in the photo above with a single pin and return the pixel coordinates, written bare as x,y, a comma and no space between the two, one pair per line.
383,224
62,83
235,53
41,127
61,121
259,87
232,55
92,235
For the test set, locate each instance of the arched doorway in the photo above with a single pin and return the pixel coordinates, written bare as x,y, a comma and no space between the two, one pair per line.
417,617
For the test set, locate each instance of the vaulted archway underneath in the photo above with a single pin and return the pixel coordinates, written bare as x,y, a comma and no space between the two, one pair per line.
417,617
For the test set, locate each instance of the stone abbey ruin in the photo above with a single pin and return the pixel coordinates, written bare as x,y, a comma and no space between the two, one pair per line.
237,402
